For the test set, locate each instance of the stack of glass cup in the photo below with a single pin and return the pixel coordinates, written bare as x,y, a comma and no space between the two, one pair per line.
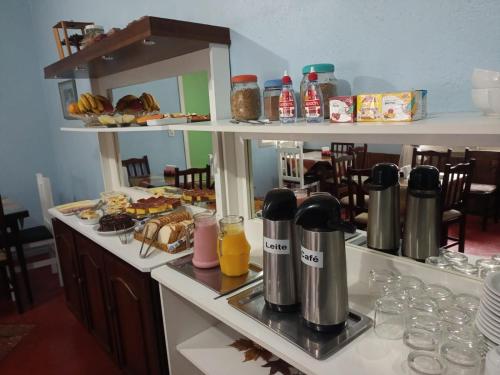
436,326
460,263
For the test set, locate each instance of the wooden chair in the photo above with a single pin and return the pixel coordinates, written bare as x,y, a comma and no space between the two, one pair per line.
455,190
437,159
337,183
137,167
291,169
7,266
340,148
189,180
360,153
485,186
357,198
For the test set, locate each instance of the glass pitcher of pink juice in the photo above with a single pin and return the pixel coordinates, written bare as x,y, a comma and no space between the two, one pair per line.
205,240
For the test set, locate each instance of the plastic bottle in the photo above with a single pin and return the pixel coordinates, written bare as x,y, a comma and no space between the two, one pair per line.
288,106
313,99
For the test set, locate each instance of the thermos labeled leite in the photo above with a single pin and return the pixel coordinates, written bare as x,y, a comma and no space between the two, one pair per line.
280,250
324,303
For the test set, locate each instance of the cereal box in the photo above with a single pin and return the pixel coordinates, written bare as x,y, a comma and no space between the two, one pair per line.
342,109
369,107
404,105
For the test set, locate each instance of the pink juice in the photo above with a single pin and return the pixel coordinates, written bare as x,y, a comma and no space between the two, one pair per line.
205,241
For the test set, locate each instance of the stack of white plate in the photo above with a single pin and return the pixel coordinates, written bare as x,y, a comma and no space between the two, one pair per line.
488,316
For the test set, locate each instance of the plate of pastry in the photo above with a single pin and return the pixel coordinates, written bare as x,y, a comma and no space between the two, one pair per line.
114,224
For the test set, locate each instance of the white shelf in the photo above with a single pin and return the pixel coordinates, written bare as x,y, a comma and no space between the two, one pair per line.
210,352
453,129
131,128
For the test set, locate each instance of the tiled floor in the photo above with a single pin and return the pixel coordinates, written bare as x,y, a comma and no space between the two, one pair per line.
59,344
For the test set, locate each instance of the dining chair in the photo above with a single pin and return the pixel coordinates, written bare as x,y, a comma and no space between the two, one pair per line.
291,168
456,185
437,159
337,183
7,266
360,153
137,167
189,180
485,186
340,148
357,198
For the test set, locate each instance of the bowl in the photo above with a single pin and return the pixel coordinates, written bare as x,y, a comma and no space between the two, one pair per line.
89,217
485,79
494,102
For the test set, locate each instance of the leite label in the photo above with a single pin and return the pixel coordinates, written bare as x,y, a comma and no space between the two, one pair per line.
274,246
312,258
312,104
286,106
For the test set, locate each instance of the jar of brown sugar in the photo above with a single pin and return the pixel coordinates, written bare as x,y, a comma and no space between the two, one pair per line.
245,98
272,90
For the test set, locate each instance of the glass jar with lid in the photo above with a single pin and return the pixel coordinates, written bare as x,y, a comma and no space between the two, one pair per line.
272,90
245,98
91,32
327,83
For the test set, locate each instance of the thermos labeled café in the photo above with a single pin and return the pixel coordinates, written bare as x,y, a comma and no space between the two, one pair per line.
280,250
324,303
421,236
383,229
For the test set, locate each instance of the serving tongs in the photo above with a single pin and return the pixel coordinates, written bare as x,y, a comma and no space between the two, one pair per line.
185,239
145,254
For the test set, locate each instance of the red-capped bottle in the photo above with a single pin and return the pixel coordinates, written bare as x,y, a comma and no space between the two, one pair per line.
313,99
287,105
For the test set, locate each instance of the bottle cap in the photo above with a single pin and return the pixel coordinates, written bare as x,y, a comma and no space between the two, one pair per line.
312,76
279,204
384,175
286,80
424,177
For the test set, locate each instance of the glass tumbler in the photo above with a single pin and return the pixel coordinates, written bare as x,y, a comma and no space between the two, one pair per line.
426,321
455,316
461,359
467,269
377,278
438,262
425,363
467,302
485,266
410,282
496,257
389,318
454,257
440,294
421,339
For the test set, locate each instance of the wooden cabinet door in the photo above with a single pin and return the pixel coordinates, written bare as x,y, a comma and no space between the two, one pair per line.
65,243
97,308
133,318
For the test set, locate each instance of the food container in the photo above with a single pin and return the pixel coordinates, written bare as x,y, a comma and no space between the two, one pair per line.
327,83
90,33
404,105
245,98
369,107
342,109
272,90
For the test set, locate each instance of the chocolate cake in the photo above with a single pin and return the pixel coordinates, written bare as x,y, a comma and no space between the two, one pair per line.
109,223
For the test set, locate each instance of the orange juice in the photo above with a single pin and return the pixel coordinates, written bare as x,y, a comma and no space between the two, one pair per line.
233,248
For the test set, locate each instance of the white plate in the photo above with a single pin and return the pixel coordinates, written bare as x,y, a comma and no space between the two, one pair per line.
113,232
490,313
490,318
489,330
480,326
492,282
491,300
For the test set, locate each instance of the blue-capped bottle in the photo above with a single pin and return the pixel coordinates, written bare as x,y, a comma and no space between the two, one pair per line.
313,99
288,106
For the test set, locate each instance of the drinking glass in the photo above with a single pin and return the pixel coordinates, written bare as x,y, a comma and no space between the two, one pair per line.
455,316
410,282
463,335
377,278
496,257
389,318
438,262
454,257
421,339
422,304
125,236
485,266
442,295
425,363
426,321
394,290
467,269
461,359
467,302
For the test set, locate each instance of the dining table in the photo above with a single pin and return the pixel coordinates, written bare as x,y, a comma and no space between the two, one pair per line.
152,181
15,214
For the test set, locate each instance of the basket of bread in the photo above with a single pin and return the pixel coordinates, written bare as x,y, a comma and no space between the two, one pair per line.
171,233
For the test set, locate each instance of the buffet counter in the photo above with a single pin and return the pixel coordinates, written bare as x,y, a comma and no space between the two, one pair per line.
199,327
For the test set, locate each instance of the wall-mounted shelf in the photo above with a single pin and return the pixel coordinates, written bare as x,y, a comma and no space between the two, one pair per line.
453,129
165,38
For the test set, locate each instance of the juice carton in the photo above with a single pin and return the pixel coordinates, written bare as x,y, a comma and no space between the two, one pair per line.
404,105
369,107
342,108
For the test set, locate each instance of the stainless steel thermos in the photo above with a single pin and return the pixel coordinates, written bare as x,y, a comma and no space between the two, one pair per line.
280,250
324,303
383,229
421,236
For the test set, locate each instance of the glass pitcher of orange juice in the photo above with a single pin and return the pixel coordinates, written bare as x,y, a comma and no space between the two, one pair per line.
233,248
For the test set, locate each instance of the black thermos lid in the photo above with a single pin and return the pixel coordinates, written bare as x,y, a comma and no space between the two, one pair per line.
279,204
321,213
424,177
384,175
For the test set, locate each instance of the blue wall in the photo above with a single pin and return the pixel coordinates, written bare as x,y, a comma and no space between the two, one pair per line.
160,148
375,45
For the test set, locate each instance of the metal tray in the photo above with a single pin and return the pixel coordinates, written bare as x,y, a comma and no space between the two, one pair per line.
291,327
213,277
